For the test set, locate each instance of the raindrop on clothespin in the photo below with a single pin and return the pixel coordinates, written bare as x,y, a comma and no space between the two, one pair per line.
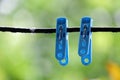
61,52
85,41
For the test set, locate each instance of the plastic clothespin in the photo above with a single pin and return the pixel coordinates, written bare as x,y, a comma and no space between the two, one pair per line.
61,52
85,41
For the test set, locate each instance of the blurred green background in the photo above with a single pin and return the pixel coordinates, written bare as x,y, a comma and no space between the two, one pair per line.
32,56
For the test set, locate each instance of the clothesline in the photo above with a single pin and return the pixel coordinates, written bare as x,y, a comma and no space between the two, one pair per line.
53,30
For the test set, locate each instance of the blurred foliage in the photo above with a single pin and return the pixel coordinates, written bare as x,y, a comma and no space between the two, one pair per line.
32,56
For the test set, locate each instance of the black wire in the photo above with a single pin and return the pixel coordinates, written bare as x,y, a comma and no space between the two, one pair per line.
53,30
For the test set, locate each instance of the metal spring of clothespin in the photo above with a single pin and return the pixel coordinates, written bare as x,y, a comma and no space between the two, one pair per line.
85,41
61,51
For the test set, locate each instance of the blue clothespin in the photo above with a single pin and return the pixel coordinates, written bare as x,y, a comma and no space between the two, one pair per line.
85,41
61,52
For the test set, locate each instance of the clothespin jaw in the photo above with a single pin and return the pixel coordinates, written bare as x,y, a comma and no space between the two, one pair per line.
85,41
61,52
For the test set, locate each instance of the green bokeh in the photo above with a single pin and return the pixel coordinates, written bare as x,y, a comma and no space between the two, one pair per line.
32,56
